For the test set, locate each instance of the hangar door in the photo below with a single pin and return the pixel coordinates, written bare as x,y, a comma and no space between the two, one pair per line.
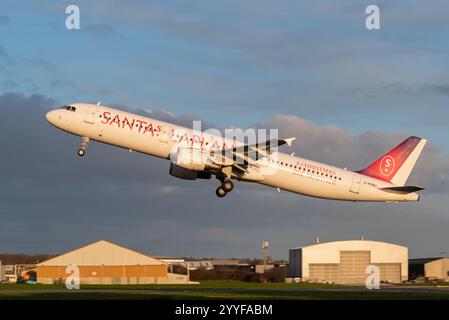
390,272
324,272
353,265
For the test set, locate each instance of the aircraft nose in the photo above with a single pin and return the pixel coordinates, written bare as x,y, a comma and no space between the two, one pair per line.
51,116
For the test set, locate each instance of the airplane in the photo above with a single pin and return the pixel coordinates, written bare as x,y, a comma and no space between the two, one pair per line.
382,181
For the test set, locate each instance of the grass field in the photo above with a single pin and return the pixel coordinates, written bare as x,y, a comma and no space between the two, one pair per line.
220,290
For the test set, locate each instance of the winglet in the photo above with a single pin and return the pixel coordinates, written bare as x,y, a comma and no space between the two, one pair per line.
289,141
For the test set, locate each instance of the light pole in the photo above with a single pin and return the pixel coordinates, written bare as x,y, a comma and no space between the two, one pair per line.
265,245
188,272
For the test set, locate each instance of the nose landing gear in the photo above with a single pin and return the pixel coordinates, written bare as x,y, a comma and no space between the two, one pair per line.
82,151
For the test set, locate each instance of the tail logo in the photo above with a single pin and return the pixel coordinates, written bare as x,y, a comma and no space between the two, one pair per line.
387,166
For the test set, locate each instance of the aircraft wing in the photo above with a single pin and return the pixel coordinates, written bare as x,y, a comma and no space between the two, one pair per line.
242,156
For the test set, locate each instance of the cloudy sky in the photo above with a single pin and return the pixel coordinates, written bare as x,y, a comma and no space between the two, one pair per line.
309,68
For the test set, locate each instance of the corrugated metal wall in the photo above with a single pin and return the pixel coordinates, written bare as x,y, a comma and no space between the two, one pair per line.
352,269
105,274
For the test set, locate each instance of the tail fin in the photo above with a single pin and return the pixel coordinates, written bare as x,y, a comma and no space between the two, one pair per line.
396,165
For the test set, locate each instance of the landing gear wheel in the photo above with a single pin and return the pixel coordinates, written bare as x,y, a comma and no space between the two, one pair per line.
220,192
81,152
227,185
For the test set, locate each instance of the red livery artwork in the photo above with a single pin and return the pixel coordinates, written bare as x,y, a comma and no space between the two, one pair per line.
178,136
140,125
389,164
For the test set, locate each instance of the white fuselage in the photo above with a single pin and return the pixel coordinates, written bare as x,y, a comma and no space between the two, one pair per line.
157,138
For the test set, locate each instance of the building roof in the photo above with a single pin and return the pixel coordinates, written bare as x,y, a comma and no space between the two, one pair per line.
171,260
102,253
199,264
350,243
228,262
437,260
422,260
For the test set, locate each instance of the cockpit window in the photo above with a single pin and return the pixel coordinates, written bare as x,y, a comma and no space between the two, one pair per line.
69,108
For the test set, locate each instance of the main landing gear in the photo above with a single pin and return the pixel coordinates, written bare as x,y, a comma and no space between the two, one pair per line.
81,152
226,186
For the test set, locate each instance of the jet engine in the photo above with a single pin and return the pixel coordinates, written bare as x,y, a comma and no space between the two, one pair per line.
191,159
189,164
186,174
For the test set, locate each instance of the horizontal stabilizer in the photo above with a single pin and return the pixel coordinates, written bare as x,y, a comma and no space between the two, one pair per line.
404,189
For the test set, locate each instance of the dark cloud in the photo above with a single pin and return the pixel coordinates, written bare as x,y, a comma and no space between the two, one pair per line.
51,200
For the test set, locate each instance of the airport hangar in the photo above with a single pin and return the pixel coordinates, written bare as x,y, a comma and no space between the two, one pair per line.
103,262
429,268
345,262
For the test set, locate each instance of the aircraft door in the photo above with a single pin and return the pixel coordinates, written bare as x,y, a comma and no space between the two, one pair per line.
356,181
90,114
